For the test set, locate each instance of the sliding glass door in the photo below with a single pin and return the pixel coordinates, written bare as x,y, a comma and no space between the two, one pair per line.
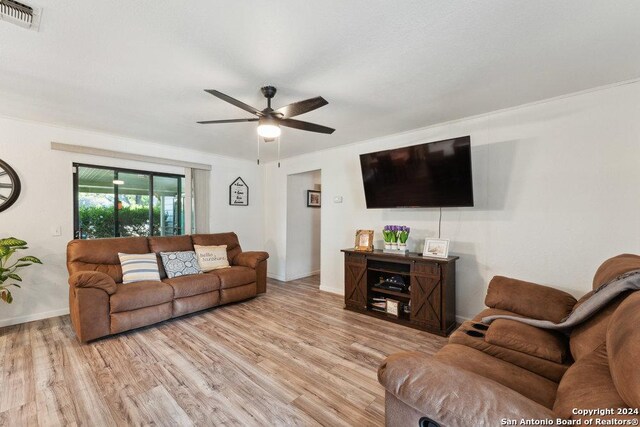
112,202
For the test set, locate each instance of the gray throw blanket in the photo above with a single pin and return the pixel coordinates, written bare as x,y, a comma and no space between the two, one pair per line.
629,281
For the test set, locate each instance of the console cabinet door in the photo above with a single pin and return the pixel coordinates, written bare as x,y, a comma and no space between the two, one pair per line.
426,295
355,281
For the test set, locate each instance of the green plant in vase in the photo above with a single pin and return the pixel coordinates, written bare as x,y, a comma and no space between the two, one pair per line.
388,235
8,269
403,236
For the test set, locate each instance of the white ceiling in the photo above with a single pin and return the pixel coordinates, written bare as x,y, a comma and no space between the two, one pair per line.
138,68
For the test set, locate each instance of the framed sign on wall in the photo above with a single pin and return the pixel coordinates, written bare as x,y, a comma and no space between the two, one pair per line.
239,193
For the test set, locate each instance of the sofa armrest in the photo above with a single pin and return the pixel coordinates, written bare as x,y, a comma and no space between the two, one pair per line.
529,299
250,259
454,397
93,279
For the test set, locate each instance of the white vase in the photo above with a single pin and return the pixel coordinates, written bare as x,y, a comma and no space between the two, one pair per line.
387,245
394,246
402,246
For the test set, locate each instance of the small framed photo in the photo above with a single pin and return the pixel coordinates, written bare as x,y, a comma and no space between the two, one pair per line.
436,248
364,240
392,307
314,199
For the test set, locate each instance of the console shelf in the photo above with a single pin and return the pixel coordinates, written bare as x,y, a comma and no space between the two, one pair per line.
390,292
431,282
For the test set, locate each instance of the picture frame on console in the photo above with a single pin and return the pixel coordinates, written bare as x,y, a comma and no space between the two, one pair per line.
364,240
436,248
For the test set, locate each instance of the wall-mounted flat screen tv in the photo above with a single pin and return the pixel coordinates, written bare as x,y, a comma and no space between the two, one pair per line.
436,174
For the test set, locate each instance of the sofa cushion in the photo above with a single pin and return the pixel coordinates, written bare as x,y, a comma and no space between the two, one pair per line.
614,267
589,335
587,385
139,267
234,276
140,294
529,299
238,293
159,244
229,239
182,306
186,286
543,367
145,316
518,336
182,263
623,346
533,386
102,254
450,396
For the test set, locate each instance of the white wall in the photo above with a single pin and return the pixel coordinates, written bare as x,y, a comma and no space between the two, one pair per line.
47,201
303,226
556,192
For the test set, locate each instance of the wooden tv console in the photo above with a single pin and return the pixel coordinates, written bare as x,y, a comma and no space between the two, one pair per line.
432,284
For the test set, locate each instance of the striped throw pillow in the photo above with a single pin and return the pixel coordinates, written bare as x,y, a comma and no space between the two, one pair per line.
139,267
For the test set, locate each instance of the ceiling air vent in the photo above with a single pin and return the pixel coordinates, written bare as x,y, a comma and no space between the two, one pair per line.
20,14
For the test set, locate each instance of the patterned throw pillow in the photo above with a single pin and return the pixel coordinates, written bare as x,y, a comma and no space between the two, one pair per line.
180,263
212,257
139,267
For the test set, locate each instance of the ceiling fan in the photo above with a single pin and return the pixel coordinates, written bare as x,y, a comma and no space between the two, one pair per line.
270,120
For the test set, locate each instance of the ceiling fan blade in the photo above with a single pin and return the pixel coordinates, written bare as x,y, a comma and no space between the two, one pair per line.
311,127
234,101
302,107
209,122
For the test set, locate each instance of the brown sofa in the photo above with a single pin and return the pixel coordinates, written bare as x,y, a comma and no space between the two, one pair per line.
510,370
101,305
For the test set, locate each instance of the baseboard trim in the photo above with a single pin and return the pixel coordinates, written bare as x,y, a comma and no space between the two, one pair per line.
302,275
275,276
33,317
339,291
461,319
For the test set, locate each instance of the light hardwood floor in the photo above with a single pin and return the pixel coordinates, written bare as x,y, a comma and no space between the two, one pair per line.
290,357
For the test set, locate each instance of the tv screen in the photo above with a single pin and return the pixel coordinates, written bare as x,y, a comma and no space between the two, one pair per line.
436,174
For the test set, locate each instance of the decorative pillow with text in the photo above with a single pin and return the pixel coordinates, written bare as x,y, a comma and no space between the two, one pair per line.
212,257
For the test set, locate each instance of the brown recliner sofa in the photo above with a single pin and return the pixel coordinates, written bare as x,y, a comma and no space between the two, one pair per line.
101,305
508,370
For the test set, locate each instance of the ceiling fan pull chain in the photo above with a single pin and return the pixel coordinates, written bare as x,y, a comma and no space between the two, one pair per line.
278,151
258,149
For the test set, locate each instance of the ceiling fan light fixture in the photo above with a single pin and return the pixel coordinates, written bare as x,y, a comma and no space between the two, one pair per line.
268,128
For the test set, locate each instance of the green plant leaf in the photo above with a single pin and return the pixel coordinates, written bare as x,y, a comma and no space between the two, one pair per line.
15,277
30,258
5,296
12,241
4,251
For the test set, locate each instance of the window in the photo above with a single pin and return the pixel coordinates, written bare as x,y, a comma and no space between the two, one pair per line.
113,202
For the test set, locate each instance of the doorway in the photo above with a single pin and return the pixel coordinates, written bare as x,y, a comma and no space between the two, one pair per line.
304,206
